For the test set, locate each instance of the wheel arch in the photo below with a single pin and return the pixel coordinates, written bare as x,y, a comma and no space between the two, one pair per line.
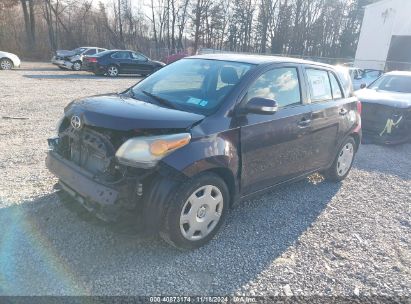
357,139
227,176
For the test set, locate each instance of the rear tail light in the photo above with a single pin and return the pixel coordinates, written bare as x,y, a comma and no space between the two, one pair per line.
359,107
91,59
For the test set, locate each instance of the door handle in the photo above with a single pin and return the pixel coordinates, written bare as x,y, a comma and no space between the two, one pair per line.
343,111
304,123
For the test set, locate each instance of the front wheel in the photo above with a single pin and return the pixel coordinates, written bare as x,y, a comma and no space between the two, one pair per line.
343,162
196,212
76,66
6,64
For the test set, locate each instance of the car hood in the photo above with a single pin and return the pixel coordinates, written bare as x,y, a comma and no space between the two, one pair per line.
122,113
65,53
392,99
5,54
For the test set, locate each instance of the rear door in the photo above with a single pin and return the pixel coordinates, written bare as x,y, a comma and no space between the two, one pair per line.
123,60
274,147
329,114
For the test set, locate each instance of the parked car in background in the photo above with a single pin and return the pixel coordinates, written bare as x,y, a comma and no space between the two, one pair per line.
9,61
386,108
74,59
178,149
363,77
115,62
174,57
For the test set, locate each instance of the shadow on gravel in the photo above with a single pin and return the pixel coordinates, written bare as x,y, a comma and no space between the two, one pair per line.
47,249
76,76
392,160
47,69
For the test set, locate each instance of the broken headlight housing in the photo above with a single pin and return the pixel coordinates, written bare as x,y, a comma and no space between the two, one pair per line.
145,152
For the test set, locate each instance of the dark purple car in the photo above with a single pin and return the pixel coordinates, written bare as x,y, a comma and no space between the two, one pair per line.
178,149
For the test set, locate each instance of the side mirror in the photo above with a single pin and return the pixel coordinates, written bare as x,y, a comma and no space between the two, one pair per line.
363,86
258,105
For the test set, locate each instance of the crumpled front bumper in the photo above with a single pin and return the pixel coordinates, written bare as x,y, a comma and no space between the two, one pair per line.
62,63
99,199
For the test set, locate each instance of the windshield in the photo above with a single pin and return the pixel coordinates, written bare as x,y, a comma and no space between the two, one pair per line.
392,83
193,85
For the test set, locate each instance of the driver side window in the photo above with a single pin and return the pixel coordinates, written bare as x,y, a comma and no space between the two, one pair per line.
280,84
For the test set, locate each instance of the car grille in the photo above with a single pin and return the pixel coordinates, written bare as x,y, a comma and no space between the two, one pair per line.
88,149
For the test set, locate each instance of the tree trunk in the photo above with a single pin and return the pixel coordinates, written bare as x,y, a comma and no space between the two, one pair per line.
27,25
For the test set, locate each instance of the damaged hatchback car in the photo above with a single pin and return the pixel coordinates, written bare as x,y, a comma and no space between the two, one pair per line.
178,149
73,60
386,113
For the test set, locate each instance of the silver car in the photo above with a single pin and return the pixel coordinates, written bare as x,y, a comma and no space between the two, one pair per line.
73,60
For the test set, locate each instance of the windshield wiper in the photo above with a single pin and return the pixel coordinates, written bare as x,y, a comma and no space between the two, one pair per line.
160,100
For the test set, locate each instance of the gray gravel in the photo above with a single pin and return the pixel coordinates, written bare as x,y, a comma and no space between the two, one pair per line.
309,238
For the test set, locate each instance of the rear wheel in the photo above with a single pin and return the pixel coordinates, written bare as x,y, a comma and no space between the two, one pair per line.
6,64
112,71
196,212
343,162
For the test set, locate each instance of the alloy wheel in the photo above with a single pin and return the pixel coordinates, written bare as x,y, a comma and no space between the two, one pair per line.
6,64
112,71
77,66
345,159
201,212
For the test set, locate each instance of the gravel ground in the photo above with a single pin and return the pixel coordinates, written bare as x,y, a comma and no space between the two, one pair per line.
309,238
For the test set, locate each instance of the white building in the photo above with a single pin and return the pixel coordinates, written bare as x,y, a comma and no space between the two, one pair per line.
385,37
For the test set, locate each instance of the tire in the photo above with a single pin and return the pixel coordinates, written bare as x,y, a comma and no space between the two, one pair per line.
112,71
342,164
76,66
191,220
6,64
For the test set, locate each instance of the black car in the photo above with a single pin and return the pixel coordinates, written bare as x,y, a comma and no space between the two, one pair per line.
386,109
115,62
178,149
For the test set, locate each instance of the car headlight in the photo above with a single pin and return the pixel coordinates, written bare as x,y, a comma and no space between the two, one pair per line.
145,152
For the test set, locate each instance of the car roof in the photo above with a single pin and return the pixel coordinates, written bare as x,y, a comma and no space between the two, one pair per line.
399,73
91,47
256,59
116,50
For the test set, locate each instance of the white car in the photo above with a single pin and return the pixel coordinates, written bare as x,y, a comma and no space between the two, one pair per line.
9,61
363,77
74,59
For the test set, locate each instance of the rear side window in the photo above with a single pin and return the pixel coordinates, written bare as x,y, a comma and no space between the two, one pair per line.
336,90
319,85
281,85
121,55
90,52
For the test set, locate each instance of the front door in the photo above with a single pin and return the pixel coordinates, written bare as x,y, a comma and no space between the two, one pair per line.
141,64
275,147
